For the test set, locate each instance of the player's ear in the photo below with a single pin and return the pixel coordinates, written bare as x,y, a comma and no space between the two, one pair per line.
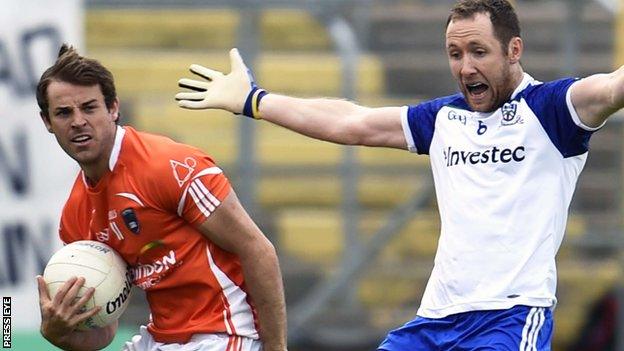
514,50
114,110
46,121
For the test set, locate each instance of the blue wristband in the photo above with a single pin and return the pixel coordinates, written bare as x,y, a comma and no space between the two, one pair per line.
252,104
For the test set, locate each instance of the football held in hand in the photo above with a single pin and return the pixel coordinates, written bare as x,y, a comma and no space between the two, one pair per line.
102,268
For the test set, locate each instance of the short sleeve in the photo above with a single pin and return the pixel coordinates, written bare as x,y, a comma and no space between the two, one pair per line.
189,183
178,179
552,106
204,194
418,122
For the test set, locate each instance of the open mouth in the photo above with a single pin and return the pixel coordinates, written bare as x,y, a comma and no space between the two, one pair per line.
81,139
476,89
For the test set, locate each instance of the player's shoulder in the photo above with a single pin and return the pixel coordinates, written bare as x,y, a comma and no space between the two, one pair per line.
74,222
433,106
160,167
148,151
77,194
150,145
537,90
455,101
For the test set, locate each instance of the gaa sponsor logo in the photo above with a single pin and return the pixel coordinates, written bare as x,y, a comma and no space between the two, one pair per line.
6,322
491,155
113,305
457,116
146,276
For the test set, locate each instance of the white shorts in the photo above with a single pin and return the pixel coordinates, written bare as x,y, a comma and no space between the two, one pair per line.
199,342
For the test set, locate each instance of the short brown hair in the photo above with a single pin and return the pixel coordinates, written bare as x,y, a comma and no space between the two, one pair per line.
502,14
72,68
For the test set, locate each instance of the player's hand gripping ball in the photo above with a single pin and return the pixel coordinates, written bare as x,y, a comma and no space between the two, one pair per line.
102,268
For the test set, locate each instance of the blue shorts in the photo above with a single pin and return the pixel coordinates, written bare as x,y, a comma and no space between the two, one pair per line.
520,328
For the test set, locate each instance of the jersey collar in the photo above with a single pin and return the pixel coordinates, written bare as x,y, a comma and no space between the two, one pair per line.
526,81
114,156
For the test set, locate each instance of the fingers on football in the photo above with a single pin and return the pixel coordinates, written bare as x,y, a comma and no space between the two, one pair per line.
62,292
86,314
204,72
199,96
84,298
236,61
44,295
192,84
79,304
72,293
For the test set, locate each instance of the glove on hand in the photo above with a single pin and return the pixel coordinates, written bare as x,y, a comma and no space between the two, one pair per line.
235,92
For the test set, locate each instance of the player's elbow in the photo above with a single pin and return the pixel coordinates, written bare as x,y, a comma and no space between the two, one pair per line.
260,248
94,339
363,137
103,337
350,132
110,331
352,140
616,96
266,250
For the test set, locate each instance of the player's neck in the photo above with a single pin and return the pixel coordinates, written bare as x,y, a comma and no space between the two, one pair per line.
517,75
97,168
513,82
94,172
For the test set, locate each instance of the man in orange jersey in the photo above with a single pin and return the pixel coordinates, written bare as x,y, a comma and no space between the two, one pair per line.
211,277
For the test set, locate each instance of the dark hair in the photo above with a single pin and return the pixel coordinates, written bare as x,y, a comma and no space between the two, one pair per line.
504,19
72,68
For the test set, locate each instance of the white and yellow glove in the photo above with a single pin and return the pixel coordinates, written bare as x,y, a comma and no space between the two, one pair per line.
235,92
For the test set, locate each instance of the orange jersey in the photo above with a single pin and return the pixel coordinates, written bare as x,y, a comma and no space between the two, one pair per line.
148,208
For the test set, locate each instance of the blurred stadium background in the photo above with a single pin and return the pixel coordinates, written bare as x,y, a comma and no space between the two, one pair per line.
356,228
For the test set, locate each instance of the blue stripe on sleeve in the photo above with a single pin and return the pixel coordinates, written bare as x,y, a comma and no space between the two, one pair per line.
421,119
548,102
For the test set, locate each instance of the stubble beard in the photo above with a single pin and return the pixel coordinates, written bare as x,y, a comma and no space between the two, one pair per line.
504,89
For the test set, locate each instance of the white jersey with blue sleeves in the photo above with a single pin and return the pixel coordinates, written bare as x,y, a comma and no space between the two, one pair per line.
504,181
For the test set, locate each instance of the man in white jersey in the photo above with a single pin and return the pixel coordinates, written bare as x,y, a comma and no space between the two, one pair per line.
505,143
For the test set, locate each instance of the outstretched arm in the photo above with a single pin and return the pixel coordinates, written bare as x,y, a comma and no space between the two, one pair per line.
337,121
333,120
597,97
232,229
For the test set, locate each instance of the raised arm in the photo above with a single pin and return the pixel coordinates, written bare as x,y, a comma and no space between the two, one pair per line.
333,120
597,97
337,121
232,229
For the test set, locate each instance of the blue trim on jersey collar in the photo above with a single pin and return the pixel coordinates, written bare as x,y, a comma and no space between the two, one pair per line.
526,81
